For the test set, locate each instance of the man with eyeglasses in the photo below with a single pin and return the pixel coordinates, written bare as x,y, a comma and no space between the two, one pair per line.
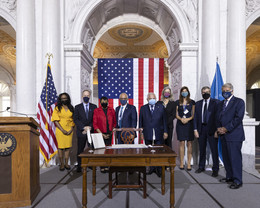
126,115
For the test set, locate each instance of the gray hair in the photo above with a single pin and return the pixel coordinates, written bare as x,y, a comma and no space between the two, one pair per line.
228,85
162,95
204,88
123,93
88,90
150,93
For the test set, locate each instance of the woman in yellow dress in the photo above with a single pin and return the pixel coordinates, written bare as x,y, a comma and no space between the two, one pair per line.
63,118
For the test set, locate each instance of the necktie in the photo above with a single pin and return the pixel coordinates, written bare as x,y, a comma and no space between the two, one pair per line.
152,109
120,116
205,112
224,105
86,112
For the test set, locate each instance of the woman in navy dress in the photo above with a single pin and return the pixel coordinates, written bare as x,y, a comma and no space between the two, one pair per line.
185,108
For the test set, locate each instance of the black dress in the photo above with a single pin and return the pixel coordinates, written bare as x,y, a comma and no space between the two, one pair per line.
185,132
170,110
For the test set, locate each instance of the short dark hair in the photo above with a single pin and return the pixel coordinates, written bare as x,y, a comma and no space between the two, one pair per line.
204,88
103,98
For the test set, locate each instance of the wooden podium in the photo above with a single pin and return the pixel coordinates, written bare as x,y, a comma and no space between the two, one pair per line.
19,171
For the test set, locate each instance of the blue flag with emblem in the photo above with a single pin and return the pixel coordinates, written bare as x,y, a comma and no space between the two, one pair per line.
216,93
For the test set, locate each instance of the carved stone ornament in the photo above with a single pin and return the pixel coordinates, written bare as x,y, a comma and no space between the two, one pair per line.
9,6
85,80
251,6
190,8
72,8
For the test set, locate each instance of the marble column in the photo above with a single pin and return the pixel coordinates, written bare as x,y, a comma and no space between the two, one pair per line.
52,40
236,47
25,57
210,41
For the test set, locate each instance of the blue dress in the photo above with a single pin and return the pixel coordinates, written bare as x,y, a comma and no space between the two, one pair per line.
185,132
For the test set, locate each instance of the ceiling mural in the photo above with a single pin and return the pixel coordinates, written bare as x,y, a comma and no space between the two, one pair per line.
253,54
130,41
7,51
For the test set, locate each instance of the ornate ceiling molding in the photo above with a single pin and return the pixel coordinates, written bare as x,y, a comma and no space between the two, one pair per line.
9,6
252,6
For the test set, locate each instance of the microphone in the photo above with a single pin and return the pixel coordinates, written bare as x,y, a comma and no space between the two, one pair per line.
8,110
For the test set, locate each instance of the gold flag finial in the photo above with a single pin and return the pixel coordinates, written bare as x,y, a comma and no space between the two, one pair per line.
49,56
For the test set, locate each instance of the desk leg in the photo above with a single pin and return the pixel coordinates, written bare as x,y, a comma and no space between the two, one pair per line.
163,180
84,187
94,180
172,201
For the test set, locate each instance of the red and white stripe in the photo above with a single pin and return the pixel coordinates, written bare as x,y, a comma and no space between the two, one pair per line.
148,74
48,142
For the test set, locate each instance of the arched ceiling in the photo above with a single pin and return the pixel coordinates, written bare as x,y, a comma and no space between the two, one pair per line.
154,10
131,39
7,48
253,53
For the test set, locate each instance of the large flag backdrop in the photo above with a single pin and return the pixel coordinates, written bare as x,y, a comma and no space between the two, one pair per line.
46,105
216,93
134,76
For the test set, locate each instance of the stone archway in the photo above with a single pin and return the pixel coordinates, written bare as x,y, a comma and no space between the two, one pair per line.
173,21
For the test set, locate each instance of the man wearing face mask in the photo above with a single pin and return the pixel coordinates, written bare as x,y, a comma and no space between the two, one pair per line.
152,119
204,129
83,118
126,115
230,115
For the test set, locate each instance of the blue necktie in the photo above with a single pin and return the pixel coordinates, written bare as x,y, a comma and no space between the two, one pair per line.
224,105
152,109
120,116
87,112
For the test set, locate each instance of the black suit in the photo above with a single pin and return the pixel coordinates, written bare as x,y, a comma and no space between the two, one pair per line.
81,121
129,119
206,130
170,114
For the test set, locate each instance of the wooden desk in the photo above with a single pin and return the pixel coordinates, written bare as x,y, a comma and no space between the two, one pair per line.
159,156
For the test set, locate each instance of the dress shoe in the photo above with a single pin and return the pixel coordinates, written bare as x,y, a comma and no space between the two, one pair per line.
214,173
158,173
188,169
235,186
62,168
67,167
181,168
200,170
226,180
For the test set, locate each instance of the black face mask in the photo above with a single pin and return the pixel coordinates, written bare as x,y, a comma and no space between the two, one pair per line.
206,96
65,102
104,105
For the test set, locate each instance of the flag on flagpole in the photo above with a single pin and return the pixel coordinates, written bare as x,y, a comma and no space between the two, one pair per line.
46,105
216,93
134,76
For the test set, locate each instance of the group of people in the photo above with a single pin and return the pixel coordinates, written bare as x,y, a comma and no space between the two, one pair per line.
206,120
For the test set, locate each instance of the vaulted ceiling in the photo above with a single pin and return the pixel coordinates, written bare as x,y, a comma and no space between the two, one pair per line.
253,53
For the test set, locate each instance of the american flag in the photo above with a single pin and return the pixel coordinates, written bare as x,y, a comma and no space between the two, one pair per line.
136,77
46,105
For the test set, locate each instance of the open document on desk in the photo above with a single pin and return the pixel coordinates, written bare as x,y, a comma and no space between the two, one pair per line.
126,146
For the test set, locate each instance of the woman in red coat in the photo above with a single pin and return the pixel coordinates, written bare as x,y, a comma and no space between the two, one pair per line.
104,120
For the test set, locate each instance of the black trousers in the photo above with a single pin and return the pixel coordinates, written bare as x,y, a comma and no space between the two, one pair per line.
82,140
168,141
213,143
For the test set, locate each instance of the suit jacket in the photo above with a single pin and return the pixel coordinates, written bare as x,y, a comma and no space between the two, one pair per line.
156,121
129,119
99,119
232,119
170,113
210,117
80,119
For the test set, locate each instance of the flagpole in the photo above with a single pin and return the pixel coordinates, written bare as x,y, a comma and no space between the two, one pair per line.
49,55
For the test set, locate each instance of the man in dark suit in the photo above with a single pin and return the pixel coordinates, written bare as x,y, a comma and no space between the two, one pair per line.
83,118
230,128
126,115
204,129
152,119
